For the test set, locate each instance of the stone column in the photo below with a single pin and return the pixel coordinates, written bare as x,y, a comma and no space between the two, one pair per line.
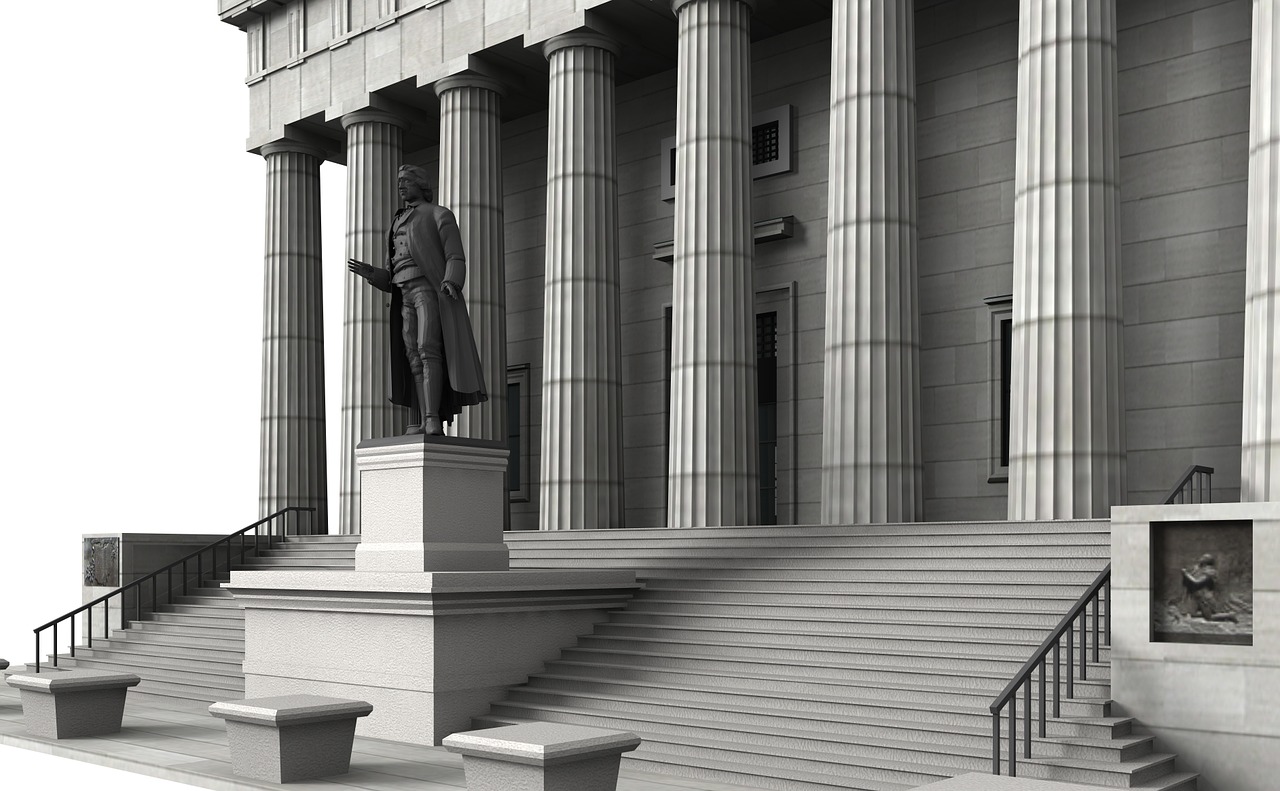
471,186
1260,445
1067,446
373,157
714,459
581,460
871,462
292,462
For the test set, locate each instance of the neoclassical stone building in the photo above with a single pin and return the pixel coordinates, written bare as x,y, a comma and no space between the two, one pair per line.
740,261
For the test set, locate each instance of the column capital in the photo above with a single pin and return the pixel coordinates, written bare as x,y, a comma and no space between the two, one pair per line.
290,147
582,37
469,79
371,115
676,5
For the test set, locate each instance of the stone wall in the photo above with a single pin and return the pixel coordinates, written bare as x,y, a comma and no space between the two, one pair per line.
1184,148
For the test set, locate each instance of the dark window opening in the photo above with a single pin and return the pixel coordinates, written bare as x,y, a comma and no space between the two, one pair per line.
764,143
1006,385
767,405
513,436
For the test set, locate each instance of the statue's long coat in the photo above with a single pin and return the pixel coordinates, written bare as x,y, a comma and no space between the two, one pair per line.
436,247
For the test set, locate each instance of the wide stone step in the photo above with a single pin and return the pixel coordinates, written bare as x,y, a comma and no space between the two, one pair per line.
193,690
184,675
1000,573
865,554
1123,748
796,637
263,563
961,591
898,530
780,540
328,555
1123,774
798,696
920,627
737,676
131,658
233,631
181,650
324,539
850,609
226,608
774,652
140,637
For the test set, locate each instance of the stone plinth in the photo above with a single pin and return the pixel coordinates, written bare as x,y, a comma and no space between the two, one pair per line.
292,737
70,703
1214,705
432,504
429,650
542,756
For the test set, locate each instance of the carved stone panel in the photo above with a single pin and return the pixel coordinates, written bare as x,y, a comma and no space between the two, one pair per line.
102,562
1202,582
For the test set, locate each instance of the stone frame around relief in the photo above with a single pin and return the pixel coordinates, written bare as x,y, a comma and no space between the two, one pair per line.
1202,582
101,561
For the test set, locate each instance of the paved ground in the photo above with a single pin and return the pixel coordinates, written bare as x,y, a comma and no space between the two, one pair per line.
185,744
981,782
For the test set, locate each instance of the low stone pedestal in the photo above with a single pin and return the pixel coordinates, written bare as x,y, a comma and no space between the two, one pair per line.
72,703
291,737
542,756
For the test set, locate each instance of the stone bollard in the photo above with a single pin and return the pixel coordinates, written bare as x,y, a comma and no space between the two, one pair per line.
4,664
291,737
73,702
542,756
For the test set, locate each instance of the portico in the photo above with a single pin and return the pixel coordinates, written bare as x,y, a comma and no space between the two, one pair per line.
859,258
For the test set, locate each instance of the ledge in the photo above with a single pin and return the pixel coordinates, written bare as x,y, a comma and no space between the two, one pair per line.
764,231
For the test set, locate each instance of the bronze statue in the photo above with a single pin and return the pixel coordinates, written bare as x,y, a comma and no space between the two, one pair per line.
1199,584
433,353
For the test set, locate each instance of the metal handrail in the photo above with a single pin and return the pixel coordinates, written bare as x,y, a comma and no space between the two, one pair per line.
1198,479
1093,595
198,556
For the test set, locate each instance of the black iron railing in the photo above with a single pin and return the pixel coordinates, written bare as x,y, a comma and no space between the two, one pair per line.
1195,486
1097,594
269,529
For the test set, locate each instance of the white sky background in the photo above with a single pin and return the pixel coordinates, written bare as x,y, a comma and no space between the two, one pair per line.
131,313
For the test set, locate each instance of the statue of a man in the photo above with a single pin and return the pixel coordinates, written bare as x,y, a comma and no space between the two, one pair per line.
433,353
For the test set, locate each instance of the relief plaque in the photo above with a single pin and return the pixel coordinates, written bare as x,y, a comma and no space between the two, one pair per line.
1202,582
102,562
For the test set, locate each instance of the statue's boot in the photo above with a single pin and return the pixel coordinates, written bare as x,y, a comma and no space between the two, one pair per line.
432,390
416,428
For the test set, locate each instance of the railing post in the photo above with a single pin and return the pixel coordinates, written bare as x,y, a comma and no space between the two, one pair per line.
1097,602
184,576
55,645
1071,669
90,620
1043,672
1026,718
1084,645
995,742
73,637
37,650
1106,586
1013,735
1057,680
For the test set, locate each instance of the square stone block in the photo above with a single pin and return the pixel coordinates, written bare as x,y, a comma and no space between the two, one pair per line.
70,703
542,756
291,737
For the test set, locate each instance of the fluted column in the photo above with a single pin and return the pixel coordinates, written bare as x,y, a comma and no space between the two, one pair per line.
292,462
581,459
1066,455
471,186
871,463
1260,446
373,157
714,458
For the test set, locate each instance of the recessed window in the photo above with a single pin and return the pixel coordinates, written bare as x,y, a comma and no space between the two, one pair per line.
517,433
1001,356
770,149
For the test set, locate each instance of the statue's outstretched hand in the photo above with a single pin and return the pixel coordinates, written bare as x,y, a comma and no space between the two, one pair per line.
360,268
450,289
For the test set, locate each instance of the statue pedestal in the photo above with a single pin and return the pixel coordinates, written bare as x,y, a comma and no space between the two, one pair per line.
431,504
431,626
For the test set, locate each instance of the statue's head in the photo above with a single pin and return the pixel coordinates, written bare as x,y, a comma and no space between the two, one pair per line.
414,183
1207,560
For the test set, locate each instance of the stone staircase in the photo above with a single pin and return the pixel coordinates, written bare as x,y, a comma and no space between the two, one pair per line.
193,649
819,658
